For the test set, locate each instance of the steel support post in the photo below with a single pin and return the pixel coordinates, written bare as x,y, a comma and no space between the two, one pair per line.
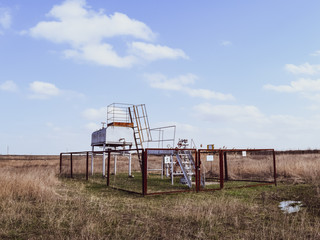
197,157
108,168
60,163
92,160
162,167
115,164
171,165
71,166
225,166
274,168
87,166
221,168
144,171
129,170
104,161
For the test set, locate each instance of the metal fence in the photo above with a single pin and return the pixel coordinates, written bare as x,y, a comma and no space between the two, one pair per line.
163,170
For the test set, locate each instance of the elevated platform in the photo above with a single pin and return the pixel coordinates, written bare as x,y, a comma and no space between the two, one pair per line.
114,145
120,124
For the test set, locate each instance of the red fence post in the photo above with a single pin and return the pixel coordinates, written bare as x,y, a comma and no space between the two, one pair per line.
225,166
108,170
196,170
274,168
198,154
221,168
60,163
144,172
87,166
71,166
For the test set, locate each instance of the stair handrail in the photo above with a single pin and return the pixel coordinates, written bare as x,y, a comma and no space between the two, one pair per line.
183,170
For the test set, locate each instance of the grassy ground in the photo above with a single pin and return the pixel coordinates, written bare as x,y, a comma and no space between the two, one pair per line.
36,204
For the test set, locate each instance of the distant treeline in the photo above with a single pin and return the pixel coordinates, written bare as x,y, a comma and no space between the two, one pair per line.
29,157
286,152
294,152
57,157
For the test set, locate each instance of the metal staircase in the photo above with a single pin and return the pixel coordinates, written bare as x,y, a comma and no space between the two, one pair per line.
187,165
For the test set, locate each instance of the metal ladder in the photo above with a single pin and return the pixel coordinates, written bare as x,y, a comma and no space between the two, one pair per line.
141,127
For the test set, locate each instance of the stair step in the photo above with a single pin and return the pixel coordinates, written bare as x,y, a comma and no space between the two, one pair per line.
181,174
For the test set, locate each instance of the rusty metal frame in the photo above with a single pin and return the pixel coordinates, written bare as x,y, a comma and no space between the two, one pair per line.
220,169
145,160
223,169
258,182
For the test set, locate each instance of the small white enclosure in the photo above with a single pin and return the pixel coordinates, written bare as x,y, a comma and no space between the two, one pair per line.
99,137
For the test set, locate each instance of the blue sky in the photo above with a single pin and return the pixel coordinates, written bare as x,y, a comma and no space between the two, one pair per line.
232,73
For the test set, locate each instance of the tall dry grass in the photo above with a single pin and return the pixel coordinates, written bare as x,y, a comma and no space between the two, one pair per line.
299,168
37,183
35,204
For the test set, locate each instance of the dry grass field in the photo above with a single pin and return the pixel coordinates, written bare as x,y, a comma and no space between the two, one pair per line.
35,203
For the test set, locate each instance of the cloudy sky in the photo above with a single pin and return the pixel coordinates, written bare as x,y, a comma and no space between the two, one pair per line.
231,73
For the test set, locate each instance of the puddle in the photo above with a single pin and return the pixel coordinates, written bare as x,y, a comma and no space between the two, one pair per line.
290,206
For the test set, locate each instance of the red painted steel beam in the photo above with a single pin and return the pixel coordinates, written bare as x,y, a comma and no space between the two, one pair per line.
144,172
87,166
274,168
197,170
127,191
71,166
221,168
225,166
60,163
252,185
170,192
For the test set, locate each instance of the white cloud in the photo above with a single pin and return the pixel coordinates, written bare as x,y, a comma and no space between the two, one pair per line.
313,107
95,114
208,94
5,18
102,54
307,88
315,54
79,25
247,126
181,83
51,126
92,126
301,85
226,43
280,88
154,52
235,113
305,68
43,90
86,32
9,86
177,83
